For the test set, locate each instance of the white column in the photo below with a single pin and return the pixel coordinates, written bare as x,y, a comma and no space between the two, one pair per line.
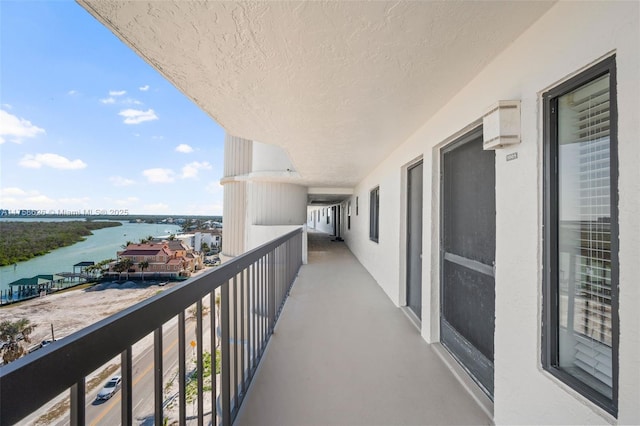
238,154
259,203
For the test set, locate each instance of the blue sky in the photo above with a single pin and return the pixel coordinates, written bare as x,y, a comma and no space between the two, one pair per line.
86,124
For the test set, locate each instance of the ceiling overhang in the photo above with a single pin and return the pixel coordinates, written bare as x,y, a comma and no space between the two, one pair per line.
338,85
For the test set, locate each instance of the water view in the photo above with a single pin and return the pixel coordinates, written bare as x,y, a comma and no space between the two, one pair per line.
103,244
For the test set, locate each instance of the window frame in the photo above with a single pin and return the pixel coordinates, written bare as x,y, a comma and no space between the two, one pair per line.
374,214
550,296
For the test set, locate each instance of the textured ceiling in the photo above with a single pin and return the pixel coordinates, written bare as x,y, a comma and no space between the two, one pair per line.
336,84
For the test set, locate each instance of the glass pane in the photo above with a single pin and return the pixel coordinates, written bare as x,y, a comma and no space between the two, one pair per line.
584,240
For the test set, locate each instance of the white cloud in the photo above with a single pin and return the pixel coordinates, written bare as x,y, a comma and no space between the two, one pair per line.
72,92
120,181
117,92
16,198
135,116
144,88
159,175
191,170
16,128
11,192
54,161
29,199
108,100
184,148
40,200
127,202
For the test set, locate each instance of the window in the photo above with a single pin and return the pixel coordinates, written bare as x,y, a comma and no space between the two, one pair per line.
580,330
356,206
374,213
349,215
327,216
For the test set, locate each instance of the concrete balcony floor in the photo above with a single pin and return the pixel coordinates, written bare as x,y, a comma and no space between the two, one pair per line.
343,354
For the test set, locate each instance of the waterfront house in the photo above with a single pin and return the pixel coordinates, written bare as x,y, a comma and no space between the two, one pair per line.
476,164
166,259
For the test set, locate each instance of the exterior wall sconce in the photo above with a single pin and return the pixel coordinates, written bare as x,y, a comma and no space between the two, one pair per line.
501,125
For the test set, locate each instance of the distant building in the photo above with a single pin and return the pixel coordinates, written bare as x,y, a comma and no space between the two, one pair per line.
37,284
171,258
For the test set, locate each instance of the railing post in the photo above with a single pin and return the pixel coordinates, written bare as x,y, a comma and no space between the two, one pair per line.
199,363
272,292
182,369
214,358
78,403
126,412
225,375
157,376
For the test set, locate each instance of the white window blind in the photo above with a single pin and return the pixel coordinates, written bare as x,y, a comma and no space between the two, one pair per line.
585,337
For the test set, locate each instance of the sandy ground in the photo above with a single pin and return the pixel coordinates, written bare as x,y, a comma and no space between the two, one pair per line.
73,310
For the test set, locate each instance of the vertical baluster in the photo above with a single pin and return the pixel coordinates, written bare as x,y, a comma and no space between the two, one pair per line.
241,342
214,357
235,345
126,406
263,309
254,285
157,376
199,363
225,395
182,370
272,291
78,403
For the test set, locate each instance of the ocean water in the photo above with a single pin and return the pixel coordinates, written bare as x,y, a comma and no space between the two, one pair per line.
103,244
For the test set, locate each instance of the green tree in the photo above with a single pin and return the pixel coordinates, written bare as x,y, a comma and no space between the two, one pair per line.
186,226
123,265
143,265
12,332
205,248
104,265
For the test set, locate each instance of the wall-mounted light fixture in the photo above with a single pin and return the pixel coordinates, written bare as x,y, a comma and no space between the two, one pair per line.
501,125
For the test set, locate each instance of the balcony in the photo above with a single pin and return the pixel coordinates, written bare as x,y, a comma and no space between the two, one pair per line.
342,353
337,352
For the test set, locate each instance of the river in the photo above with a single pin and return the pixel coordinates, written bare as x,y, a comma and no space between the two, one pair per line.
103,244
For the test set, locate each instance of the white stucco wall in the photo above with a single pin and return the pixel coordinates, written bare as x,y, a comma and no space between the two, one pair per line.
270,158
259,235
276,203
319,222
565,41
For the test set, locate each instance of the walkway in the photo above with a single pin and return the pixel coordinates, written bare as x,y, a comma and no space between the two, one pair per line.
343,354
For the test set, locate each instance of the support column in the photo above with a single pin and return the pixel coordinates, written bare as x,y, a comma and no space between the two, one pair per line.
238,154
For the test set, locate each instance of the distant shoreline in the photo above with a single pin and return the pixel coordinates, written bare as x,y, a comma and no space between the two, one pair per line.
23,240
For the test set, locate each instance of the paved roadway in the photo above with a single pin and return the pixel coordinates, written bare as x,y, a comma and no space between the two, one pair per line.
108,412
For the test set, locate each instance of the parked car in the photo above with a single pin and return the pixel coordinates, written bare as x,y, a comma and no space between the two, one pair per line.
110,388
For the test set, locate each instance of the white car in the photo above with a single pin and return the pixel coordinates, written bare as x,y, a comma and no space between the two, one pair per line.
110,388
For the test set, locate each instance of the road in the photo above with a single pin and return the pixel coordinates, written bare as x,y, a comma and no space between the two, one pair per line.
108,412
